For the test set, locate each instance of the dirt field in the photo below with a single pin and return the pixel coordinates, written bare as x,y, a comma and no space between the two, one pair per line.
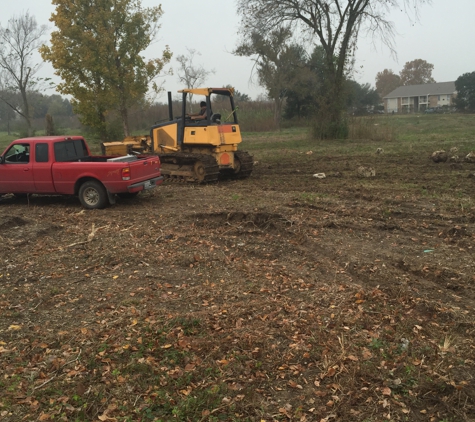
279,298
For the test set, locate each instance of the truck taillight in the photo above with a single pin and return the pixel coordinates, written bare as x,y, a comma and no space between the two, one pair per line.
126,173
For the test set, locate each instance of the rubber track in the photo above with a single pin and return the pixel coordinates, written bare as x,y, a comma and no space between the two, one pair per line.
183,158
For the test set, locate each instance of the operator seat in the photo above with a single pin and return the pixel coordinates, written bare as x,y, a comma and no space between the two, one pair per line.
216,118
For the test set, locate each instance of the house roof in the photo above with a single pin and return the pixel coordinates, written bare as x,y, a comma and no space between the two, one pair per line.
424,89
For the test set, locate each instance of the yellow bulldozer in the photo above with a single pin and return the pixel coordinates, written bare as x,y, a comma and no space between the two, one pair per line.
195,147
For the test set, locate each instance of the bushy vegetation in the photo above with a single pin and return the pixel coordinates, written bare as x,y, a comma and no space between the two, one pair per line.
257,117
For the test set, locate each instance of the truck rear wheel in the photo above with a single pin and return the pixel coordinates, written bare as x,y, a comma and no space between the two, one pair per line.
93,195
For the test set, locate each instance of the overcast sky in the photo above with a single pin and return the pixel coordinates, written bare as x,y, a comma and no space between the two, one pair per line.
443,36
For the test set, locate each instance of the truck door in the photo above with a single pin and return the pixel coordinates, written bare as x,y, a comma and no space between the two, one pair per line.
42,169
16,175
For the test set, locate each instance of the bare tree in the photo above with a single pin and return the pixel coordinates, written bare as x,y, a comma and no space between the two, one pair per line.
335,24
190,74
18,41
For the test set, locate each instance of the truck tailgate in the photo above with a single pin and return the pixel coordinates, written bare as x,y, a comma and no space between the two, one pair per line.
115,176
143,168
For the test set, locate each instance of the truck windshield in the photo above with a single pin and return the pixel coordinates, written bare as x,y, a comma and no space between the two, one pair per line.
70,150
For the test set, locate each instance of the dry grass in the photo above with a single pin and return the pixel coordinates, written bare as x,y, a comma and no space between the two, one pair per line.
372,128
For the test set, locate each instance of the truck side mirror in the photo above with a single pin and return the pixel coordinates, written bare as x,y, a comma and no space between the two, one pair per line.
1,159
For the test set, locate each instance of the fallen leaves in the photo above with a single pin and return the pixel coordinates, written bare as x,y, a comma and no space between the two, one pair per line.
267,313
352,358
14,327
293,384
330,372
366,353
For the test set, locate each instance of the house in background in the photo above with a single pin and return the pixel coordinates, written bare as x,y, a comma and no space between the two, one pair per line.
416,98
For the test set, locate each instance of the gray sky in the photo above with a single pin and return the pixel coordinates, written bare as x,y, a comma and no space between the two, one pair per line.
443,36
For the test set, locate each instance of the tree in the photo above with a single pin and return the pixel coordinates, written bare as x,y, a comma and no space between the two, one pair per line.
190,74
278,63
59,106
386,82
303,98
18,42
96,50
417,72
240,97
7,113
465,86
361,97
39,104
336,25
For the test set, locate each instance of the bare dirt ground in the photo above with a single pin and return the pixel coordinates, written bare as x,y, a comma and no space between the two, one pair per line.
280,297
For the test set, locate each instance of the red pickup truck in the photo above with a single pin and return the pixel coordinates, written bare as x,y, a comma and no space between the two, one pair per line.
53,165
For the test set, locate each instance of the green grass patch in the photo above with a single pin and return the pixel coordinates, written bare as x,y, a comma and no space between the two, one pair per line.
399,135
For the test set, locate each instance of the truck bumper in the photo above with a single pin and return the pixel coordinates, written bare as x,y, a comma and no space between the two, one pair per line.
146,184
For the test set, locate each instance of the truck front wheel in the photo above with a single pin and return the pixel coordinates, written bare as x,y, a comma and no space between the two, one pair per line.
93,195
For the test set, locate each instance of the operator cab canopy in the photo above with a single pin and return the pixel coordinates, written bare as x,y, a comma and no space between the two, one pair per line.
208,91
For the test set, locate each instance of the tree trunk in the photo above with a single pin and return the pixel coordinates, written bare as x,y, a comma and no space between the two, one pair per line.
103,126
331,123
26,112
124,114
49,125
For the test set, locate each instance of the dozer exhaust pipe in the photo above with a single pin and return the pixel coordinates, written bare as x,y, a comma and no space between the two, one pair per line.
170,106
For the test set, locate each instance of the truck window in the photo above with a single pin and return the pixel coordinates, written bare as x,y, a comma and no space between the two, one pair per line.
18,153
41,153
70,150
